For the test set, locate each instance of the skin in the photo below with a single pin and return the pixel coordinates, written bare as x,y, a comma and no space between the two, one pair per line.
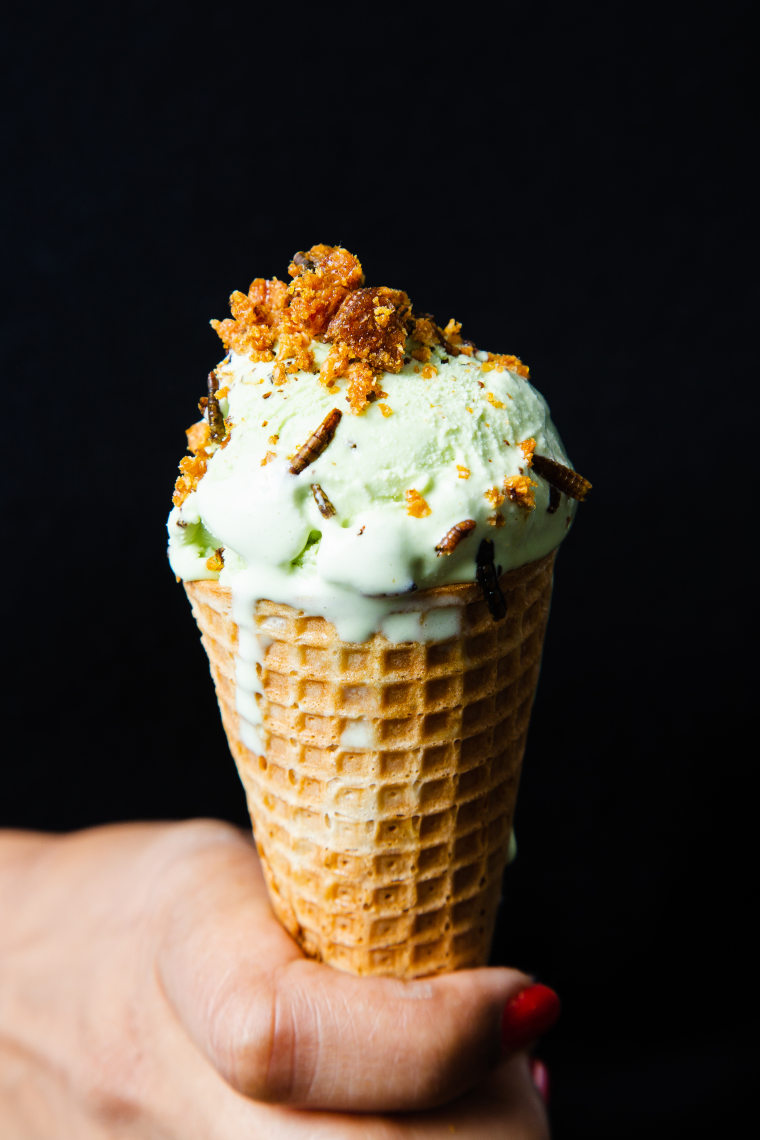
147,992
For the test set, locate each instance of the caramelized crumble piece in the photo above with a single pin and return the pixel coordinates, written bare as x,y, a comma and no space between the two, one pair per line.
256,319
371,323
216,561
293,355
519,489
453,340
500,361
463,472
496,519
527,447
322,279
363,386
495,496
198,438
416,505
334,365
451,337
269,299
192,469
426,332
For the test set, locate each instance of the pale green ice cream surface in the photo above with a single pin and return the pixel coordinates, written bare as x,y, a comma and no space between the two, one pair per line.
453,437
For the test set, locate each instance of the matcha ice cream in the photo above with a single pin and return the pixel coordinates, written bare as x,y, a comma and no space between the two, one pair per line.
363,477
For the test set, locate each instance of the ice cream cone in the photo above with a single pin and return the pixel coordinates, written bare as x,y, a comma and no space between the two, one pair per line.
382,780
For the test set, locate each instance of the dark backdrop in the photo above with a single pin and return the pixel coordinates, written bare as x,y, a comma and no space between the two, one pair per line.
574,186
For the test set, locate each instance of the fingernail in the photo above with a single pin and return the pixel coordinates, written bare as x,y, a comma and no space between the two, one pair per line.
528,1015
540,1074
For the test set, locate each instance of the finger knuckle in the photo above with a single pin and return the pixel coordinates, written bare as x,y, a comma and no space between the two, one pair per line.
254,1041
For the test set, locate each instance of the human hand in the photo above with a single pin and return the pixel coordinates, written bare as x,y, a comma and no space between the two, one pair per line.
148,992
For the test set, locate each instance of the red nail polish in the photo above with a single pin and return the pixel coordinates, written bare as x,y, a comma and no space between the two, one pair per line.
540,1074
527,1016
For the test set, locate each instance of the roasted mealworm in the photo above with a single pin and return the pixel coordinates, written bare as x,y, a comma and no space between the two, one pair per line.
212,382
561,477
488,580
555,495
326,509
215,418
453,537
316,443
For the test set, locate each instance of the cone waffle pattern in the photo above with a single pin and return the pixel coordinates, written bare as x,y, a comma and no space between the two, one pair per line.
382,810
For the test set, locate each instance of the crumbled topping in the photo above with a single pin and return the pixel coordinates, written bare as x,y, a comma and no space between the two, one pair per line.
519,490
463,472
513,363
363,386
527,447
293,355
323,277
453,342
371,324
416,505
495,496
192,468
199,438
216,561
369,330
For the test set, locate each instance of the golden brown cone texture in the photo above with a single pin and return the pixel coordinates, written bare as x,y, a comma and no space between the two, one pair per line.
382,810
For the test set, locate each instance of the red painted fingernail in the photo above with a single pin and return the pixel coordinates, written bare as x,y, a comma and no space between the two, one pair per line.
528,1015
540,1074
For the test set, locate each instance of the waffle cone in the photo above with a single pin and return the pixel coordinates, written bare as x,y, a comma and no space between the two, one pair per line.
383,779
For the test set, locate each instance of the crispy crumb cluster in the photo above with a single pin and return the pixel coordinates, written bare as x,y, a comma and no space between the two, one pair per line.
370,331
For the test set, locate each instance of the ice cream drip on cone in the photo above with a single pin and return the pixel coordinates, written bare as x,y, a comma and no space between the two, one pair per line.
372,583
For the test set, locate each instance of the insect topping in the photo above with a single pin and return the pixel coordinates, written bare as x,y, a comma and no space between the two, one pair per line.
561,477
217,426
488,580
316,443
453,537
326,509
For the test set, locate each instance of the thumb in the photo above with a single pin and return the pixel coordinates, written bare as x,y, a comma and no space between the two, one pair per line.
283,1029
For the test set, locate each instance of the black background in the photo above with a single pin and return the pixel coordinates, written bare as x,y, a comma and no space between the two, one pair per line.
574,186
